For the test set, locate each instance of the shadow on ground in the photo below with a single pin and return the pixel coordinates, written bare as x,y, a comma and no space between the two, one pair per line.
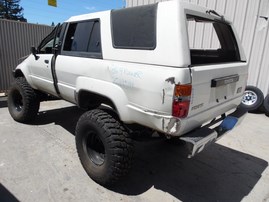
3,102
6,196
65,117
217,174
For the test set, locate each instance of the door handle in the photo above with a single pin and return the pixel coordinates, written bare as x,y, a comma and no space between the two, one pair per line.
46,61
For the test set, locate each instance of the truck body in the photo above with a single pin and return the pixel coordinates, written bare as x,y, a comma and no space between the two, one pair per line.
144,63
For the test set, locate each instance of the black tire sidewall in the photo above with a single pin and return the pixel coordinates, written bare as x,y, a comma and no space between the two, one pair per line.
30,101
17,115
116,141
266,105
97,171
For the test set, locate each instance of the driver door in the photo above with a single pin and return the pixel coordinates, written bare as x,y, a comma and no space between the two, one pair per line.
41,65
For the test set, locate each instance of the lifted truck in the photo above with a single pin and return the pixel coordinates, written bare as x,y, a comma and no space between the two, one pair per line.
146,66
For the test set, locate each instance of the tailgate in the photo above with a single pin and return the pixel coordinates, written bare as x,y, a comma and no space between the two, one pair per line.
217,84
218,73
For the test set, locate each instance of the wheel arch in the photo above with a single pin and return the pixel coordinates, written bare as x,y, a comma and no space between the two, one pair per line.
18,73
22,70
86,99
90,91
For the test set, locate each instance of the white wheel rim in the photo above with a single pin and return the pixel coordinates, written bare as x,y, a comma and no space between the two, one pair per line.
249,98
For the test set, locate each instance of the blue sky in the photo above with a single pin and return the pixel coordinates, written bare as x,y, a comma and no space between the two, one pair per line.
38,11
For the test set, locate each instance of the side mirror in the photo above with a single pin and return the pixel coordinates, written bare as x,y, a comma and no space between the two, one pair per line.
33,51
56,48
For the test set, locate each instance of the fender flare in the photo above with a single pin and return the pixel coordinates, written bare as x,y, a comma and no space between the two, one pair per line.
23,71
107,89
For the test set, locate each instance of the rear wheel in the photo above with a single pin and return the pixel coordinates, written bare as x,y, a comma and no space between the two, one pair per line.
104,147
23,102
252,99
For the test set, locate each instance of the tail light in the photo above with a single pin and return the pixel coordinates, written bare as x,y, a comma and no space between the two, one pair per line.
181,100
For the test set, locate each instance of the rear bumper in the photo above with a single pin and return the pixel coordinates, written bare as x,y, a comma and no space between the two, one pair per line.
175,127
197,140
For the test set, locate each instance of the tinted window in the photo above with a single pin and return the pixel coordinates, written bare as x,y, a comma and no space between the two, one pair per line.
83,37
70,37
134,28
94,43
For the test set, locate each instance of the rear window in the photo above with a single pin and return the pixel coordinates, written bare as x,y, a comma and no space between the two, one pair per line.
211,41
134,28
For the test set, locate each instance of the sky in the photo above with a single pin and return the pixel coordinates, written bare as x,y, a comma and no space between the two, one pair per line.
38,11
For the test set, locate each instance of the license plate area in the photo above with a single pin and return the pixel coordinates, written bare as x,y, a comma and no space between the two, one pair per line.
217,82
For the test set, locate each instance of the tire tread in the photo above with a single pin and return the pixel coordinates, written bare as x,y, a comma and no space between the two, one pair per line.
31,102
120,145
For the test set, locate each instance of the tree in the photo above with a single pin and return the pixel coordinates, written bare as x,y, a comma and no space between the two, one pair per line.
10,9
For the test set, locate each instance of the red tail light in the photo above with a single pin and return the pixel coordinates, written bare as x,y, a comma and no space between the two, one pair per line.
181,100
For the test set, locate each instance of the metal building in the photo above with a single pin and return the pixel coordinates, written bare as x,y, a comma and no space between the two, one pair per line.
16,38
250,18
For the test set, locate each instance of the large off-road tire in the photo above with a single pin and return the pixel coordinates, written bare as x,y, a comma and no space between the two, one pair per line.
252,99
23,102
104,147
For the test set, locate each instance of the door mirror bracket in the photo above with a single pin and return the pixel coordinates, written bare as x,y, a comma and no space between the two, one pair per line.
33,51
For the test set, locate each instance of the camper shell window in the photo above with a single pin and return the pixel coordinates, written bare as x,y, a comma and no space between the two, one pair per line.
211,41
134,28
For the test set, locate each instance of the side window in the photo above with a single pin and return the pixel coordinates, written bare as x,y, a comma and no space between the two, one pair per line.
69,37
83,39
94,43
134,28
47,44
47,48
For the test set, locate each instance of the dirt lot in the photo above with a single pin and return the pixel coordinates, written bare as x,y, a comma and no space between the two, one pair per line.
38,162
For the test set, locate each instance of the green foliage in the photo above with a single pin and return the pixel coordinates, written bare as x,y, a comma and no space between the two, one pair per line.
11,10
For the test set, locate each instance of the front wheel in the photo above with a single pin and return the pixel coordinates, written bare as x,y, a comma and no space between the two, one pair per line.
23,102
104,147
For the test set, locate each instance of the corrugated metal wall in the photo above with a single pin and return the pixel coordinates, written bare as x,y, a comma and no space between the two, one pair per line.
249,18
16,38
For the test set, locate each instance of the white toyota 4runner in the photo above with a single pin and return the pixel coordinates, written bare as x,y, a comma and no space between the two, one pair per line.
171,67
